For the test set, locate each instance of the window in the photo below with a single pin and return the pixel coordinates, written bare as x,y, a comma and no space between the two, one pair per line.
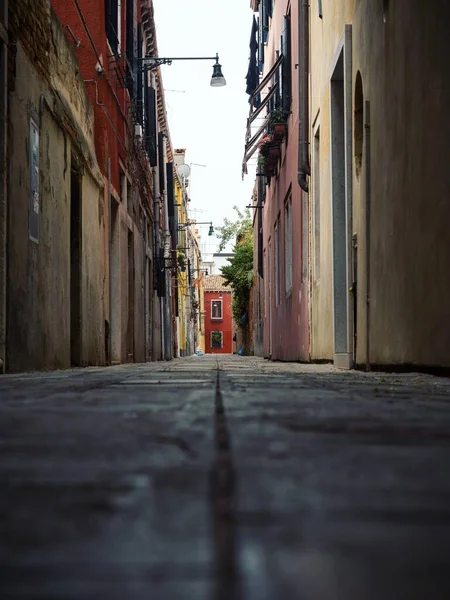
288,243
130,47
277,261
286,76
216,339
140,86
112,17
316,200
216,309
305,233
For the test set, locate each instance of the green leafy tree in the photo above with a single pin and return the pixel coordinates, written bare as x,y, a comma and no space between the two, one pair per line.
232,230
239,272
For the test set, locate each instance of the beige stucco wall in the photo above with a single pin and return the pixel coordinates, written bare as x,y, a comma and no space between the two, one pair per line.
404,66
403,61
325,37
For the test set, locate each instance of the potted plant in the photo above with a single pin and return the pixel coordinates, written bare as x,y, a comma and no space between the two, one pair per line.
265,143
277,123
181,259
261,163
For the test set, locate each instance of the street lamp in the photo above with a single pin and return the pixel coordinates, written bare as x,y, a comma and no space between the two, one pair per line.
153,62
182,226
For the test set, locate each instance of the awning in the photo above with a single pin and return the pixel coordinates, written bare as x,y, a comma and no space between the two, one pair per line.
256,113
276,65
252,145
251,141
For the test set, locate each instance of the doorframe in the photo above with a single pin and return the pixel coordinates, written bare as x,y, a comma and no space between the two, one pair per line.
343,351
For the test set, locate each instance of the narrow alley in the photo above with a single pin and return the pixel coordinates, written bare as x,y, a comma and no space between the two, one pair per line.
224,477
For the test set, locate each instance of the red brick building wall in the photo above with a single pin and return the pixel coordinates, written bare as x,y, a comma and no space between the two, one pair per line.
223,325
107,90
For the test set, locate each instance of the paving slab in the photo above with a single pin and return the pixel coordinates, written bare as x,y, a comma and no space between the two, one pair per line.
224,478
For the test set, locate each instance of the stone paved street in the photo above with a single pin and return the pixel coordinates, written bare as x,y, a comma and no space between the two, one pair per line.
224,478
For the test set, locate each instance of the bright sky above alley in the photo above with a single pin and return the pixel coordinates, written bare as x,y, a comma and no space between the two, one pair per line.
208,122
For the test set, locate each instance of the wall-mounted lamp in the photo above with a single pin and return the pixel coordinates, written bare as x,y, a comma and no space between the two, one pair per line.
182,226
152,62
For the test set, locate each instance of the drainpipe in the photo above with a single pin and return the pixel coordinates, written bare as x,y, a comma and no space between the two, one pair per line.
157,351
110,262
304,168
167,273
155,240
367,194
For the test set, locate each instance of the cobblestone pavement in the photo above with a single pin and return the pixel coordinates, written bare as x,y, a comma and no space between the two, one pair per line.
224,479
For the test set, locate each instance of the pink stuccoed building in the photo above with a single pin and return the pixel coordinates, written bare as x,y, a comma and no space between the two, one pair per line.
280,205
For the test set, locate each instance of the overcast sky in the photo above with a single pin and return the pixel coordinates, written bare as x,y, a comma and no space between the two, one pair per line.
209,122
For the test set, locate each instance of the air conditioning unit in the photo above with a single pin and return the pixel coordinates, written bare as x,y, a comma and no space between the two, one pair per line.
138,130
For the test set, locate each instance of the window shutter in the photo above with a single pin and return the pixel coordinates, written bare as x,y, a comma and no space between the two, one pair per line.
276,101
173,217
260,39
112,24
161,274
150,125
140,79
286,80
265,20
130,51
162,166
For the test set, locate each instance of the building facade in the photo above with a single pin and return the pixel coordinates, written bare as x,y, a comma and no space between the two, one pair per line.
379,139
53,291
282,217
218,316
109,66
87,228
369,141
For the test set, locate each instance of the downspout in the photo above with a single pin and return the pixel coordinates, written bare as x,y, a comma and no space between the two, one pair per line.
167,273
304,168
368,199
156,352
110,262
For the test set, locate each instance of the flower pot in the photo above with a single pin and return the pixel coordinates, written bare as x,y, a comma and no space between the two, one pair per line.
279,130
274,151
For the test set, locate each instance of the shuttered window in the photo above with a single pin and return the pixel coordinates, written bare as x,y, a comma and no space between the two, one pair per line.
112,24
286,68
150,125
140,79
131,48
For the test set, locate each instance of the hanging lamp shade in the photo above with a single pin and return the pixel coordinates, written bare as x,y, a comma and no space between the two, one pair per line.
211,230
217,79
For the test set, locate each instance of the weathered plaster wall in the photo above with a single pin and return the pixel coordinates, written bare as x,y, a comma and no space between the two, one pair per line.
291,315
38,286
325,36
404,68
38,274
402,56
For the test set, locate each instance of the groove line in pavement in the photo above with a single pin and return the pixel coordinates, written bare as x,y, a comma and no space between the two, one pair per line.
223,487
